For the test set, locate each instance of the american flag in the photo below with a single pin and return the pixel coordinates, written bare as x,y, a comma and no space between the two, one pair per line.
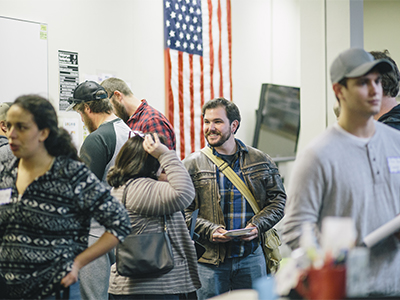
198,55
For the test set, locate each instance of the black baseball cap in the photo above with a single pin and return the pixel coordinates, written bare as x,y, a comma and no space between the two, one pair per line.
85,92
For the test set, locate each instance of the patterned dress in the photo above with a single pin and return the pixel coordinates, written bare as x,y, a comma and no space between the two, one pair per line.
45,228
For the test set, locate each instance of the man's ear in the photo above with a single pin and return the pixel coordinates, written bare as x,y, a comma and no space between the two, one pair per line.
118,96
338,90
3,126
87,109
234,126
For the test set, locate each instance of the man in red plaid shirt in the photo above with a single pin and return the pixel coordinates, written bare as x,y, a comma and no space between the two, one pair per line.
137,113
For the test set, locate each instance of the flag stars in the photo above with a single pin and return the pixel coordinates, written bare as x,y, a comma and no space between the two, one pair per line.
184,25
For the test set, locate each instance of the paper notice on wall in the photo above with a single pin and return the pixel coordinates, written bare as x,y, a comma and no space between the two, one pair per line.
69,76
72,126
99,77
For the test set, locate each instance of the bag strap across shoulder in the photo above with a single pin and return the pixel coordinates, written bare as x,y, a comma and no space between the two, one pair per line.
233,177
124,201
270,239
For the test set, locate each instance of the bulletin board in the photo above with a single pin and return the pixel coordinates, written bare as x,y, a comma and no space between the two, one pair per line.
23,58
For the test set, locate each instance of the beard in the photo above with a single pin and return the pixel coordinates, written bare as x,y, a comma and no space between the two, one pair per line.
223,138
88,123
120,110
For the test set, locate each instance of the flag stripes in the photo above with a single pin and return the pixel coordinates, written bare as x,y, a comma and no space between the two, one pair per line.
199,72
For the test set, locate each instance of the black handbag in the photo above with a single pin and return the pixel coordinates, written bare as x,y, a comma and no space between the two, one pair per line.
200,249
141,255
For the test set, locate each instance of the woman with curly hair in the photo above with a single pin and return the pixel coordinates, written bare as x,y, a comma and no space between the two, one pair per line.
47,199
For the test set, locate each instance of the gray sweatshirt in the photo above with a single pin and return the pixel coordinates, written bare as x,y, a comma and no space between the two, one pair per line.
339,174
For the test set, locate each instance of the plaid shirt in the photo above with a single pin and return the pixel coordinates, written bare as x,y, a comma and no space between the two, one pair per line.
148,119
237,211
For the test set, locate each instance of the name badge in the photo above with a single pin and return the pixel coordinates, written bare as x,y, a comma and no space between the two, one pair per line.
5,196
394,164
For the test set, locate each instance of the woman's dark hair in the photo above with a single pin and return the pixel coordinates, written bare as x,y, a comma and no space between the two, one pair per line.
133,162
59,141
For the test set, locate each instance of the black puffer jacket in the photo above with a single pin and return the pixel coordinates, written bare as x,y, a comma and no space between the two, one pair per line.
392,117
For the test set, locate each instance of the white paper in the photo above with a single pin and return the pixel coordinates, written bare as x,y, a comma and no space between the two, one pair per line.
382,232
71,125
338,234
394,164
239,232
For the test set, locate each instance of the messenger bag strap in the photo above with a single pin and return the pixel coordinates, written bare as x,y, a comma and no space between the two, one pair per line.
233,177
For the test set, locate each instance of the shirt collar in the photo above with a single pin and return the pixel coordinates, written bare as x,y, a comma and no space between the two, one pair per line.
141,107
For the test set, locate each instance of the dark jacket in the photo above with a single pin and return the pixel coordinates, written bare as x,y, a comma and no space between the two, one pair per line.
392,117
263,180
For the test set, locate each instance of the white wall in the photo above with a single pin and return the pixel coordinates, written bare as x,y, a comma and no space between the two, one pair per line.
125,38
265,38
381,25
118,37
109,36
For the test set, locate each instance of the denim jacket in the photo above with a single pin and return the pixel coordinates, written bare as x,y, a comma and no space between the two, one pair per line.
262,178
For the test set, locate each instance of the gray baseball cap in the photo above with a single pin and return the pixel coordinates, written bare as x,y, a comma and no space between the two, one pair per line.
356,62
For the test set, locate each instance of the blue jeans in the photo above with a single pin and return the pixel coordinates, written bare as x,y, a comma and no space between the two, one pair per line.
232,274
74,293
